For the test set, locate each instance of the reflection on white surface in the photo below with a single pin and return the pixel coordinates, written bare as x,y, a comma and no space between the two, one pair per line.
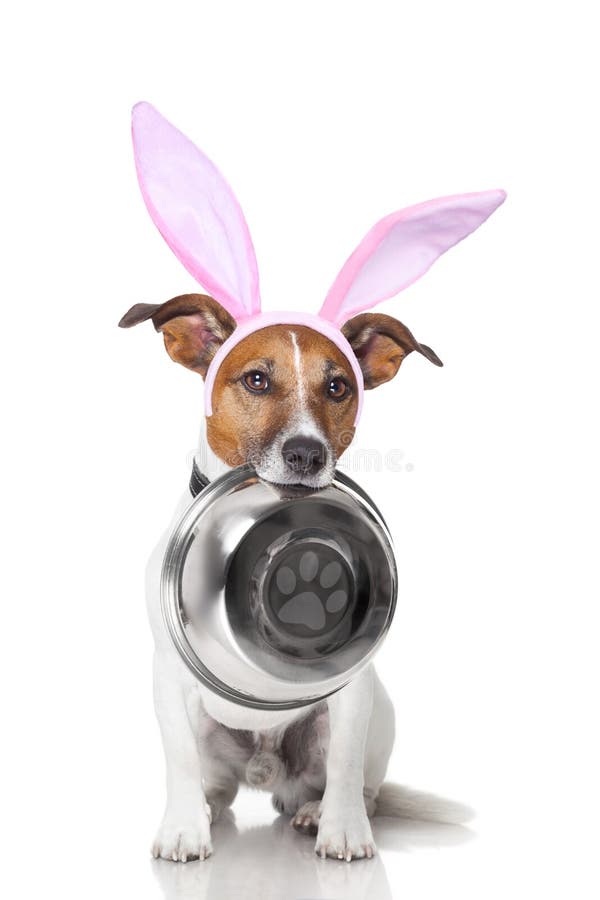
272,861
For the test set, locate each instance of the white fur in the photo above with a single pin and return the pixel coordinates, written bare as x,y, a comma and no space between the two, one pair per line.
299,371
205,763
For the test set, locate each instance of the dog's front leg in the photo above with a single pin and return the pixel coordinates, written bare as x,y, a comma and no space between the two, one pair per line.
185,830
344,828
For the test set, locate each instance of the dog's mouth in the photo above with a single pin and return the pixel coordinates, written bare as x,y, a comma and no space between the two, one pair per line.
299,488
291,491
297,484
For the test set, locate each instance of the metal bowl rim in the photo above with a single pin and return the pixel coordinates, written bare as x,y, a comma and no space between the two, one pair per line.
175,554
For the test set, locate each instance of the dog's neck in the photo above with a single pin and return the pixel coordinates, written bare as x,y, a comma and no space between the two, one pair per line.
206,459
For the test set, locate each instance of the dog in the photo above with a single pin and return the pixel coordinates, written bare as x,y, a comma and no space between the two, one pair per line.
283,394
284,400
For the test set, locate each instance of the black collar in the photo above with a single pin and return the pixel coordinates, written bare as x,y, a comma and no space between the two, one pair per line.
198,481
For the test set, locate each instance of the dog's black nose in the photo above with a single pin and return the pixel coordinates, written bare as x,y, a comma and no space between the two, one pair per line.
304,455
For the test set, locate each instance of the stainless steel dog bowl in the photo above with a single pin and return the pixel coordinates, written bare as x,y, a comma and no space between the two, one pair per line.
276,597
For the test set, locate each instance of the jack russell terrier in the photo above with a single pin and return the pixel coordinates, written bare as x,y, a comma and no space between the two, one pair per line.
284,394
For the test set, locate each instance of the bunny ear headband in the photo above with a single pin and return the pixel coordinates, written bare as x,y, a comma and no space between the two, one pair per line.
200,218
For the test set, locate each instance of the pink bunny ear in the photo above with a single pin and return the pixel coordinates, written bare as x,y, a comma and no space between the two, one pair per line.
401,247
196,212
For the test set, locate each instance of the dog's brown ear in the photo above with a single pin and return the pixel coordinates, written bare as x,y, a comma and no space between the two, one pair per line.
380,344
194,327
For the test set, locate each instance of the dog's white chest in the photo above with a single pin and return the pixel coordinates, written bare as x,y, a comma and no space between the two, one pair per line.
235,716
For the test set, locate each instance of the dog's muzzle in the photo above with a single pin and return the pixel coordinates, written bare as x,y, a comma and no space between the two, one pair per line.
276,597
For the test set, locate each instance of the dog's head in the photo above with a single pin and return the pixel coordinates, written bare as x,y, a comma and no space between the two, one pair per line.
285,397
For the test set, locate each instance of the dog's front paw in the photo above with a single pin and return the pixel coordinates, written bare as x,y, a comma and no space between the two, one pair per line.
345,834
307,817
182,841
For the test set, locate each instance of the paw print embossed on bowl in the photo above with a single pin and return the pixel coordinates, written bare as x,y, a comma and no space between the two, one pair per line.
310,588
311,593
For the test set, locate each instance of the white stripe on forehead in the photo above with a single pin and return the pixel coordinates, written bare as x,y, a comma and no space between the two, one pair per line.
299,370
303,421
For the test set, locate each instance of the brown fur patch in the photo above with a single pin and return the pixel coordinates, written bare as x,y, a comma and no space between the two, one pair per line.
243,424
193,325
381,343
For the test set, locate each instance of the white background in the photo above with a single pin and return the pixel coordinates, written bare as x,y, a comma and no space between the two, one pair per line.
324,117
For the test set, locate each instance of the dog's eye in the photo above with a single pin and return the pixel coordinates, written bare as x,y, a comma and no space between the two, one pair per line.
337,388
256,381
